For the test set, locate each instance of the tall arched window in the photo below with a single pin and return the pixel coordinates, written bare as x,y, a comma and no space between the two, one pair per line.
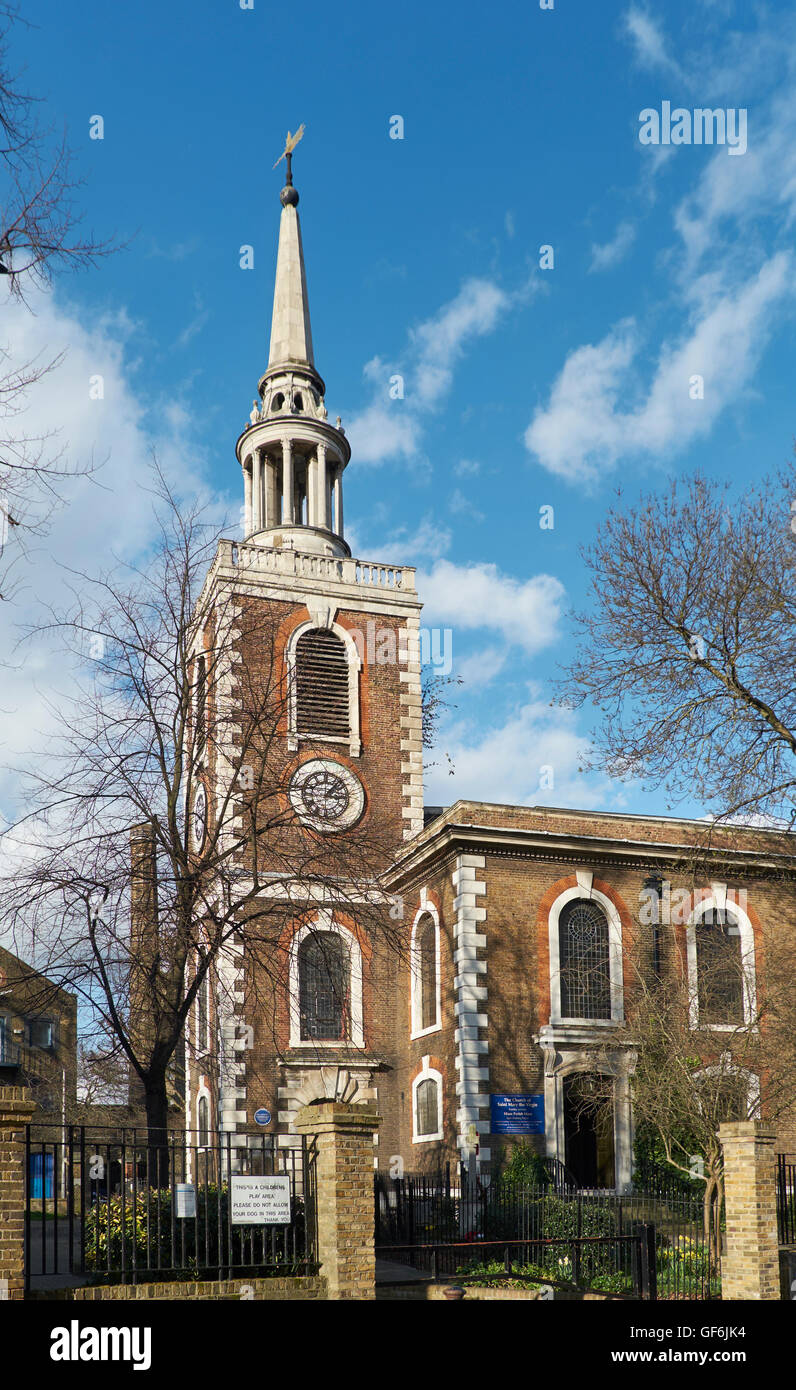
426,947
322,686
203,1116
201,704
584,961
720,973
324,978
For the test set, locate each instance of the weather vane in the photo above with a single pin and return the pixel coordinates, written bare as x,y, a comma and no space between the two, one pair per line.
287,153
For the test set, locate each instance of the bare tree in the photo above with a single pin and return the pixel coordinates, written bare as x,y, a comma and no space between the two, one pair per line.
40,234
168,730
689,646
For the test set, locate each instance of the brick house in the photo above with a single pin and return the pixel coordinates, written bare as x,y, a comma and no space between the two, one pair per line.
38,1038
464,1002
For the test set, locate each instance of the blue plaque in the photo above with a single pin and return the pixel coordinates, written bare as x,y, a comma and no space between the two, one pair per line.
517,1114
262,1117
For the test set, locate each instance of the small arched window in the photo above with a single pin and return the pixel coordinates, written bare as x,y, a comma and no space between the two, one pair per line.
427,1108
298,402
324,979
278,401
720,974
321,686
202,1018
203,1116
584,961
426,958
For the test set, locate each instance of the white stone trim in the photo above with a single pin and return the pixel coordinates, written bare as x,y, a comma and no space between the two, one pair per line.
719,900
325,922
428,1073
726,1067
321,618
470,1000
411,727
426,909
614,956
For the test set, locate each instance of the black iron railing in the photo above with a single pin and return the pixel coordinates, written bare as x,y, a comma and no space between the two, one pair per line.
117,1206
786,1198
432,1210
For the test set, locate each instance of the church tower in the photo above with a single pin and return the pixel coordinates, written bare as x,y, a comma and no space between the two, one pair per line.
346,755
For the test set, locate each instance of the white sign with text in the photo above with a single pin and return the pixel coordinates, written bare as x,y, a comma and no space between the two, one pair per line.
260,1201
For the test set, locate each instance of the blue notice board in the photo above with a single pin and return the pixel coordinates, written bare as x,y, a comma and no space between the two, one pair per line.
517,1114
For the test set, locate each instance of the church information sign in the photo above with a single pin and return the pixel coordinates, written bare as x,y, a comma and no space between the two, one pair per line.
260,1201
517,1114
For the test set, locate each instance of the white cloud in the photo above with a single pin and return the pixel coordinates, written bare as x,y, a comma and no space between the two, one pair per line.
605,257
505,764
584,428
461,505
392,428
525,613
648,41
107,517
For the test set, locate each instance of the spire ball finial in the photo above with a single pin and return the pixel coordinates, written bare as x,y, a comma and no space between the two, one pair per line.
289,196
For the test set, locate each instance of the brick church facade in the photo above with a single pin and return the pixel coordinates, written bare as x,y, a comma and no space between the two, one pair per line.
445,988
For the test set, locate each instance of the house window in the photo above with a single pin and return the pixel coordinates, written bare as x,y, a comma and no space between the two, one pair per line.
720,974
322,686
42,1033
324,978
426,1104
584,961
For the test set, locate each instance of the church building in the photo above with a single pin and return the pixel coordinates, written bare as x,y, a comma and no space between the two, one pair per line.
476,987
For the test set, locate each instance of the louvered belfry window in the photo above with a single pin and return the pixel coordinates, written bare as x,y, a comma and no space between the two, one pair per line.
584,961
321,678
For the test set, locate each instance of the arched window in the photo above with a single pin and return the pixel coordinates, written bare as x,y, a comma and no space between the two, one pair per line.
424,972
203,1116
202,1019
201,704
427,963
321,686
426,1108
324,979
584,961
720,974
426,1104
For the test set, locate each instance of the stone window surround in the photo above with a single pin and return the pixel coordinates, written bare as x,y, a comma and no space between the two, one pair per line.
324,621
427,1073
585,889
752,1083
324,921
426,909
717,899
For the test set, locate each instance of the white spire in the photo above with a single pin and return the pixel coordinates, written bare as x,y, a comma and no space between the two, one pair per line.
291,335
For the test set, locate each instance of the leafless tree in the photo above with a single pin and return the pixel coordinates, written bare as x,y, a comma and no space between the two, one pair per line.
170,731
688,648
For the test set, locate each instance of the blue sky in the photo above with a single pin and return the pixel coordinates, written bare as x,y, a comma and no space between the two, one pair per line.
524,387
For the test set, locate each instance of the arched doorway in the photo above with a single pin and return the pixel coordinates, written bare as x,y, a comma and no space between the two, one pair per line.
589,1129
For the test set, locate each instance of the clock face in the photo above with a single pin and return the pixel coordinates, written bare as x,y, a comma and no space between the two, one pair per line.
199,817
326,795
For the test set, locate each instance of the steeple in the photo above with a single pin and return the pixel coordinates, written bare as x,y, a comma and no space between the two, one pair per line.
291,335
292,458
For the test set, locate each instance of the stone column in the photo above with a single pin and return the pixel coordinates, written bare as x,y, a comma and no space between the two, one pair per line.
16,1108
344,1171
322,490
288,486
338,500
247,495
257,488
272,517
750,1268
